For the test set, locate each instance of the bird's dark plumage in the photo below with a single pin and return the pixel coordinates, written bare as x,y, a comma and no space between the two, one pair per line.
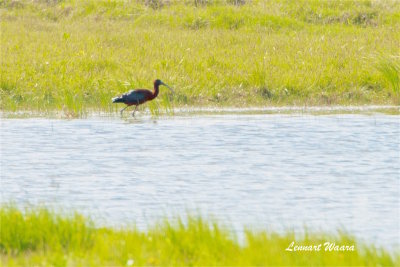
139,96
133,97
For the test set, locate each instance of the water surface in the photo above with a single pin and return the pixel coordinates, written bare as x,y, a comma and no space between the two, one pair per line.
260,171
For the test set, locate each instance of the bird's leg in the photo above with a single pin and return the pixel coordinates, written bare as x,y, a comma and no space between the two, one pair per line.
123,109
133,113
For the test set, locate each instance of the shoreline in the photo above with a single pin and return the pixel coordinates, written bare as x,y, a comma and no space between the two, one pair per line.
208,111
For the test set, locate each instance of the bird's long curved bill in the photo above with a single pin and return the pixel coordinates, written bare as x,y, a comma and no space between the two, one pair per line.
166,85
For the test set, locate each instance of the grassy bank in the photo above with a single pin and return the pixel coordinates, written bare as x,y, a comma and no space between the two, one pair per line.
75,55
41,237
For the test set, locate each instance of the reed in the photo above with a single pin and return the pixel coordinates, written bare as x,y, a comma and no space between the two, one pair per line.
41,237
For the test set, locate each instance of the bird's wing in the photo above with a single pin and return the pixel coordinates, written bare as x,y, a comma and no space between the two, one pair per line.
134,96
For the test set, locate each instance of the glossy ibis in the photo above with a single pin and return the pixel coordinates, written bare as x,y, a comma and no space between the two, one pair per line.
139,96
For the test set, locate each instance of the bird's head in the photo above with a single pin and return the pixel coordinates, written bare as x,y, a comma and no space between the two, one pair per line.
159,82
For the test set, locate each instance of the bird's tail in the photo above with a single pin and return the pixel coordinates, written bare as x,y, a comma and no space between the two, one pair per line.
118,99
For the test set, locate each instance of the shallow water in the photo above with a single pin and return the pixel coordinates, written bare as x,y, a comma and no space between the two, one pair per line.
260,171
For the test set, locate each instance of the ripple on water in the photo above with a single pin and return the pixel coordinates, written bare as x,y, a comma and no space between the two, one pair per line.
262,171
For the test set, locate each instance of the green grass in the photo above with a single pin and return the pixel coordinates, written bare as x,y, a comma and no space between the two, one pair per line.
390,69
73,56
40,237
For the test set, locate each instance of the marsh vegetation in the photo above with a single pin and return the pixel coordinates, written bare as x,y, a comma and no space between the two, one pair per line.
75,55
39,236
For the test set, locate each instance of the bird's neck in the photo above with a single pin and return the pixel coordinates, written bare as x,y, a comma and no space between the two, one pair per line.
155,92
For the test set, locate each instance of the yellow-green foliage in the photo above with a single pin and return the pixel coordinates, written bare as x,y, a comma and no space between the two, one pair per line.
75,55
39,237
